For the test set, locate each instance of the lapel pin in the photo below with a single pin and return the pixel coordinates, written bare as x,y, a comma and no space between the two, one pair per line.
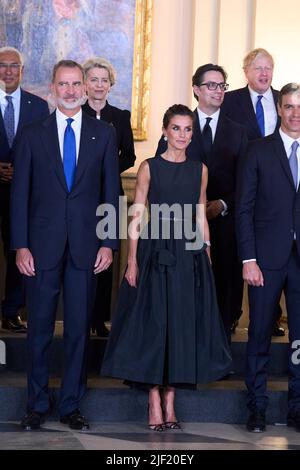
29,102
93,138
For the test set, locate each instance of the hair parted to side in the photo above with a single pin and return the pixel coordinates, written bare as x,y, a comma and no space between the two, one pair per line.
5,49
288,89
69,64
177,110
199,74
101,63
251,56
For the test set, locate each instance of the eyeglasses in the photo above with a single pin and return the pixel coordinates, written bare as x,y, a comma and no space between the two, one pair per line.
4,66
214,85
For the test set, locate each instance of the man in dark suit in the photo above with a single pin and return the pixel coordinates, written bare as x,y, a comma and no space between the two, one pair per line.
219,143
65,166
18,108
268,234
255,107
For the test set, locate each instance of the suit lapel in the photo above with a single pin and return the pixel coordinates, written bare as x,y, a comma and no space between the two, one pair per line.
51,144
86,149
248,110
3,132
281,154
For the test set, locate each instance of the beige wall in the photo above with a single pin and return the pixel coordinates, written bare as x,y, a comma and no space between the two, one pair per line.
188,33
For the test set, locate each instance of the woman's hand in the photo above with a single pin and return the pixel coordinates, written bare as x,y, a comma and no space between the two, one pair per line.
132,273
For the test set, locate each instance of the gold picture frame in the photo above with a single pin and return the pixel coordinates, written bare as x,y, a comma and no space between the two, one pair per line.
141,69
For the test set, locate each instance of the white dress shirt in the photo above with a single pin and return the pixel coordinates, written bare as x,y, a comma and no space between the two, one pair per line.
270,112
16,101
61,120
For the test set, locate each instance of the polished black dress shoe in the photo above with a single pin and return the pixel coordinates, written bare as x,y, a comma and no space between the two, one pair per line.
293,420
75,420
14,324
32,421
256,421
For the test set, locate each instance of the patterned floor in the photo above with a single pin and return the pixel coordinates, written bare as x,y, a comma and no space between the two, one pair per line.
131,436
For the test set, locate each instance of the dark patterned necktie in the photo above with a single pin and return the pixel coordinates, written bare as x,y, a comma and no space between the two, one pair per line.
207,137
9,120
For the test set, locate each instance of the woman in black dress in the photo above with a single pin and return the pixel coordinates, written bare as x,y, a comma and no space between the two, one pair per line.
167,331
100,77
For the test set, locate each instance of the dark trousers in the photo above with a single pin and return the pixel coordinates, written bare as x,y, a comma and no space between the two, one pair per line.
101,309
262,313
42,295
227,270
14,296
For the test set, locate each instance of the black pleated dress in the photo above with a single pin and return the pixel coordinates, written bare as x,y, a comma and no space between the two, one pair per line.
168,330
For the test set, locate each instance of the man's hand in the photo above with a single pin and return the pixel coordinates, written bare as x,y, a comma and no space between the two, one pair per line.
25,262
213,209
6,172
252,274
103,260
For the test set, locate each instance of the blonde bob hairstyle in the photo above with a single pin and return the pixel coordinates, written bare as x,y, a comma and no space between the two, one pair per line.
101,63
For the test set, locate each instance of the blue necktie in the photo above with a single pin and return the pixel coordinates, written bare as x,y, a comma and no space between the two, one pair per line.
260,117
9,120
69,157
293,161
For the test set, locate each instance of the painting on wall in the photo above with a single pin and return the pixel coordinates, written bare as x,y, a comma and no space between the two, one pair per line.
46,31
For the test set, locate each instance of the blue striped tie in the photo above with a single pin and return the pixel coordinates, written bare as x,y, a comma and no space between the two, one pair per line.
9,120
260,117
69,157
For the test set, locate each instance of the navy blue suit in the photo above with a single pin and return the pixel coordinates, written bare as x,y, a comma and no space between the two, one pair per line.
31,108
228,147
268,217
237,105
59,228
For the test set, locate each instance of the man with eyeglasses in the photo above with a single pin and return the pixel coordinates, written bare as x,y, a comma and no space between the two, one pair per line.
219,143
255,107
18,108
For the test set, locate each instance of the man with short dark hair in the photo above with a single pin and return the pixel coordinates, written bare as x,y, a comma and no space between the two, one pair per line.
268,234
219,143
18,108
65,166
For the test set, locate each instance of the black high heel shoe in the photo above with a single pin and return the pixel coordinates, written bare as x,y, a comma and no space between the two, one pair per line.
157,427
172,425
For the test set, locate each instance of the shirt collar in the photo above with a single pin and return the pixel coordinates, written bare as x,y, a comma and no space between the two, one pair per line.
62,117
16,95
287,140
203,115
268,95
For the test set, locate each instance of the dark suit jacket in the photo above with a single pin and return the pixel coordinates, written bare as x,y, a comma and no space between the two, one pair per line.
237,105
32,108
228,146
120,119
44,215
268,206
